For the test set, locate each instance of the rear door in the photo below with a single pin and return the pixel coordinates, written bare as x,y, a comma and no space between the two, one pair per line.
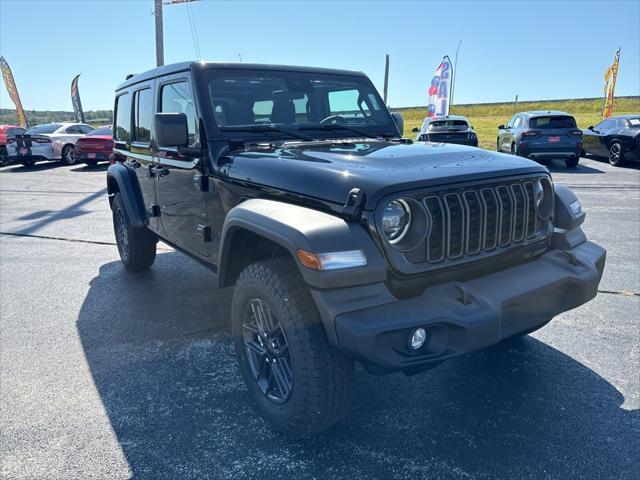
181,182
132,138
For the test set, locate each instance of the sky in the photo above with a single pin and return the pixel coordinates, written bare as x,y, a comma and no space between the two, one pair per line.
538,50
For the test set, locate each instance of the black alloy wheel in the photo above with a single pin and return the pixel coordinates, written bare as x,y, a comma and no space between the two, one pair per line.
616,154
267,351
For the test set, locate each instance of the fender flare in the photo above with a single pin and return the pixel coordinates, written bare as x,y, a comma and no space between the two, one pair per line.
295,227
121,179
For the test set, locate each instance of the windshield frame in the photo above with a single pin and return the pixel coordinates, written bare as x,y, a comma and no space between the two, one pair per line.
315,130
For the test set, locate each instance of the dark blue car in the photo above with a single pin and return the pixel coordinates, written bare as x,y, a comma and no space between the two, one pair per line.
542,135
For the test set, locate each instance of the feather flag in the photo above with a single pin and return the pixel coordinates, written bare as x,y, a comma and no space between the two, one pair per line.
610,76
440,89
13,91
75,100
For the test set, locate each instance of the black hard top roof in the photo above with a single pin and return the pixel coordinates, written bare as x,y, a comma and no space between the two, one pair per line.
185,66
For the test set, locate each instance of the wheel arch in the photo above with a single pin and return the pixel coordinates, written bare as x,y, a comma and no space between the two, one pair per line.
121,180
259,228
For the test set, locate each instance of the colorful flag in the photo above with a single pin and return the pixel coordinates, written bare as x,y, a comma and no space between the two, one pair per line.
440,89
75,100
13,92
610,76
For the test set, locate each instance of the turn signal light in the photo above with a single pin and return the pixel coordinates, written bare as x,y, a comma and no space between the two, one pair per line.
331,260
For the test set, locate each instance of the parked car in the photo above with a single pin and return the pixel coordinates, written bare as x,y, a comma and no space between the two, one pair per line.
344,241
615,138
50,141
6,133
542,135
96,146
451,129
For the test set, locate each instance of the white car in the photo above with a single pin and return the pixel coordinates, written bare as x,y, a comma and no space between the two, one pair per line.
50,141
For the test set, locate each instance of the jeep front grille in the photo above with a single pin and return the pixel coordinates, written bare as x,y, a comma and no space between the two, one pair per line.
478,221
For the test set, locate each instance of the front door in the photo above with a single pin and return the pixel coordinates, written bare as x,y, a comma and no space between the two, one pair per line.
180,181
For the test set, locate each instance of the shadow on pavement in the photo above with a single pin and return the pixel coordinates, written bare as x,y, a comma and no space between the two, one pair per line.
83,168
558,166
18,168
159,350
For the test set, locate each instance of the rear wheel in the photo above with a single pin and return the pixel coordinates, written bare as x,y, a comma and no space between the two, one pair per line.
513,149
298,382
136,246
68,157
498,145
616,154
572,162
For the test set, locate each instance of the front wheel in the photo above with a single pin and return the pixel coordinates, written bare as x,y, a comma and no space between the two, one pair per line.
4,157
136,246
616,154
298,382
68,156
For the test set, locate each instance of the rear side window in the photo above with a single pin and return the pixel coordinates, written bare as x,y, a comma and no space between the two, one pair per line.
123,118
142,115
48,128
14,131
634,122
552,121
176,97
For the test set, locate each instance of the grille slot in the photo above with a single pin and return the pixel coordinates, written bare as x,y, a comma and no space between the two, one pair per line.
476,220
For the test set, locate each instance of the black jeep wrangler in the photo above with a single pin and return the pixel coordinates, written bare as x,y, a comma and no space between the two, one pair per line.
344,242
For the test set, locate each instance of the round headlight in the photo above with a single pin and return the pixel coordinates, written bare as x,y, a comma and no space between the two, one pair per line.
396,218
543,194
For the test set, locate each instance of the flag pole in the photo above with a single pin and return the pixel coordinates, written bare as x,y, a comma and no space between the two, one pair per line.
453,79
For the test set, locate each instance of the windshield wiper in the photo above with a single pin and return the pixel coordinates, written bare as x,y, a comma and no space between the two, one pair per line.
268,128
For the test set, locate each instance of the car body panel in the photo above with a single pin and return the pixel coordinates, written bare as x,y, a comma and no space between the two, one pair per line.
598,139
23,146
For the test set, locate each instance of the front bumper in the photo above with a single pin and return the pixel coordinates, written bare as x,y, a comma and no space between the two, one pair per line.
460,317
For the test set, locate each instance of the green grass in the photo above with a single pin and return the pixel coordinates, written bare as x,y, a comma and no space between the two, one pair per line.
486,117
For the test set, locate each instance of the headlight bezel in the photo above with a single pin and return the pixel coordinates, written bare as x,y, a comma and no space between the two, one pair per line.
544,198
403,231
416,229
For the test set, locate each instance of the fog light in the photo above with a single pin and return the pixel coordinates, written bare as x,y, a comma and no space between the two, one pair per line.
418,338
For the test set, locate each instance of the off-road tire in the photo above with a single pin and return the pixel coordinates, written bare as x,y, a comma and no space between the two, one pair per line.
616,154
67,156
138,251
572,162
321,391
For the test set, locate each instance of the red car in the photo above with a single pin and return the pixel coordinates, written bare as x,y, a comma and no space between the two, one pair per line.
7,131
96,146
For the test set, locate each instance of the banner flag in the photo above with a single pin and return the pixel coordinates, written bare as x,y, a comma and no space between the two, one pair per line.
440,89
75,99
13,92
610,76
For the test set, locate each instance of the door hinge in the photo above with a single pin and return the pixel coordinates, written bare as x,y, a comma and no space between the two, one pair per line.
154,210
204,232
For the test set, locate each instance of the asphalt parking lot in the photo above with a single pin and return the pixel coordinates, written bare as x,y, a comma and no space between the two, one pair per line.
104,374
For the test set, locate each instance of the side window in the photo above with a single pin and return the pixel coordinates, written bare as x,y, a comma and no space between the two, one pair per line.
262,111
73,130
518,122
85,129
604,125
511,122
122,131
142,115
176,97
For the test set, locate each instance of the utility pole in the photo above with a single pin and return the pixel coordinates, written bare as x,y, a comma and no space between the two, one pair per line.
515,105
159,33
386,79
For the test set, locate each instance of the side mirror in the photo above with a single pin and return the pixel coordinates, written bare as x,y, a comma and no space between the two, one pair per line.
399,122
171,130
590,127
415,129
500,127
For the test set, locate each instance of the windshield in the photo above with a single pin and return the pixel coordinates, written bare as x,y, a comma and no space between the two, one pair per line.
101,131
445,125
48,128
552,121
293,101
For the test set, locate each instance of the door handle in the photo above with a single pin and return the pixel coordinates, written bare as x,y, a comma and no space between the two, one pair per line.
158,171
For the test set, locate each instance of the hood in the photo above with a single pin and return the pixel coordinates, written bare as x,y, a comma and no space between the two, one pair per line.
328,170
